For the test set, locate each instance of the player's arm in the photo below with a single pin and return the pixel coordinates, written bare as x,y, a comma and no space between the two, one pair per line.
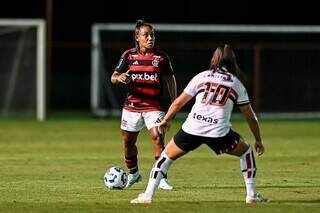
253,123
175,107
169,78
121,72
171,84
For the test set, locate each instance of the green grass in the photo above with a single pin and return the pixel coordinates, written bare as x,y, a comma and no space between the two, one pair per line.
57,166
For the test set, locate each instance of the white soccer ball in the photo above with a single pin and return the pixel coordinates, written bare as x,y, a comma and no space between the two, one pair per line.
115,178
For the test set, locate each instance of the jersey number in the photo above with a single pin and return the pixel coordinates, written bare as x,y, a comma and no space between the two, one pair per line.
215,94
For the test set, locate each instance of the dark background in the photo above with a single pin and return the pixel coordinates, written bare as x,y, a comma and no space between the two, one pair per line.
69,70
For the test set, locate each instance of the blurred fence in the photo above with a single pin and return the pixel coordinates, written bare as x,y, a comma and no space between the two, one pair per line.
281,62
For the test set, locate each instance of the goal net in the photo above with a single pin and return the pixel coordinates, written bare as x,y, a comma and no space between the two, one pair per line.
22,69
280,62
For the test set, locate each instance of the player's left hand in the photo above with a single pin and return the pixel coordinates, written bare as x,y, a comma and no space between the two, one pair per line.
163,126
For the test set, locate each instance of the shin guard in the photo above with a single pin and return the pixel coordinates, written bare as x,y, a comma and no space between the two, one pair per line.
158,171
248,168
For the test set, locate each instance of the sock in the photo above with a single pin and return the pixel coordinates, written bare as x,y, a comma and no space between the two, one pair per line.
132,164
164,175
158,171
248,168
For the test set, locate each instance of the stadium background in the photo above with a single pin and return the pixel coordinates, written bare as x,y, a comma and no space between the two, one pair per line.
58,165
69,65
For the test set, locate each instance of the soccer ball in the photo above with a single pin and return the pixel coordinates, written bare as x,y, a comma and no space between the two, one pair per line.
115,178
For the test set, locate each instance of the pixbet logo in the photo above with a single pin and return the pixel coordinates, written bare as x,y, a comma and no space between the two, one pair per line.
145,76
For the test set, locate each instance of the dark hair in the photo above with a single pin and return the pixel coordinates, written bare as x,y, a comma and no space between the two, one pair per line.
140,23
224,59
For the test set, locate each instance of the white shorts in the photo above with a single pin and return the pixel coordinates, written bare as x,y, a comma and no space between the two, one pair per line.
135,121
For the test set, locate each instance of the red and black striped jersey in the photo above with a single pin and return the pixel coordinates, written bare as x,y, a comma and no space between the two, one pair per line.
146,72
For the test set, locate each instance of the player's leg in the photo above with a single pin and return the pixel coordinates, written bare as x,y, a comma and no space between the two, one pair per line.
157,142
178,146
247,164
158,146
151,120
160,168
131,124
249,169
131,156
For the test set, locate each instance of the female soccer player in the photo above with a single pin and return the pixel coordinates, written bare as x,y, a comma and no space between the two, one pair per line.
216,91
148,73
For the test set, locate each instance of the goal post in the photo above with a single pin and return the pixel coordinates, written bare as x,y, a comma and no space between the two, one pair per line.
22,68
272,57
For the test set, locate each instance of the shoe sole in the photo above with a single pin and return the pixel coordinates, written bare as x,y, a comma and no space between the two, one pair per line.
140,202
164,188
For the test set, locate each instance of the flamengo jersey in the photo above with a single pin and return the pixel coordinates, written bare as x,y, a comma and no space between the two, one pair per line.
145,87
216,93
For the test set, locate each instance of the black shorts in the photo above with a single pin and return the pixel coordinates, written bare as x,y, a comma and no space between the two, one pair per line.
188,142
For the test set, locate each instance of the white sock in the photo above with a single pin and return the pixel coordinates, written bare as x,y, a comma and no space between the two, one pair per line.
158,171
248,168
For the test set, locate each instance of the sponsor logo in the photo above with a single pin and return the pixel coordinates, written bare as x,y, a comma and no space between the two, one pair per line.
205,119
145,76
135,63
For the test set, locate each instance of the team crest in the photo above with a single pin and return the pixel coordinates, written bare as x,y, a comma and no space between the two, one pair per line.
155,63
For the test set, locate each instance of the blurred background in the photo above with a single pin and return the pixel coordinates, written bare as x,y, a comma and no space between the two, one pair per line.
281,67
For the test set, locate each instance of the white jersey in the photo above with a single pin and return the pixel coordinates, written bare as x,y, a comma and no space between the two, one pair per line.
216,93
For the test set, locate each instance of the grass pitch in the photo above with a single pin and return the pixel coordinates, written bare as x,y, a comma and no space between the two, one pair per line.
58,165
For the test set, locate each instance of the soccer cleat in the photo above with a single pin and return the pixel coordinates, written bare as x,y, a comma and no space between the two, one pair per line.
164,184
133,178
142,198
257,198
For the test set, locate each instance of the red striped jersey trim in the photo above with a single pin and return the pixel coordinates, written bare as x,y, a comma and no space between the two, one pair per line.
143,68
149,56
145,109
147,91
147,82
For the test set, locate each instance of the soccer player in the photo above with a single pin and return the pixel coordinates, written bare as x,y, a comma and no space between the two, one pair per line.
149,75
216,91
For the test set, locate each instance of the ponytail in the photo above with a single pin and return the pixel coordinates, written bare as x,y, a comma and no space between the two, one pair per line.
224,59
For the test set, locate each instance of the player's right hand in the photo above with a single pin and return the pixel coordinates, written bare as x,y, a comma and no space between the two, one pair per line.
124,77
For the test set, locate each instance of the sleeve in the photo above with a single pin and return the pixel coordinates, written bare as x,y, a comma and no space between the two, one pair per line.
191,88
166,66
243,97
122,65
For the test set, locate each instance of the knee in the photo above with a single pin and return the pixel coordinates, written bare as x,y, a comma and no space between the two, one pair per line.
240,149
155,136
157,139
157,142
